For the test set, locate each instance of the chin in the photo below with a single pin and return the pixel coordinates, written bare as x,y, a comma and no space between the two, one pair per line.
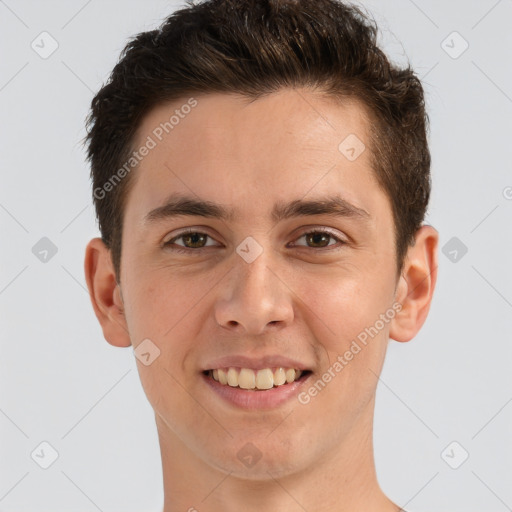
260,460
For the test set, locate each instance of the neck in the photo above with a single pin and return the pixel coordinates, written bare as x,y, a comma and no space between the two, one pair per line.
343,480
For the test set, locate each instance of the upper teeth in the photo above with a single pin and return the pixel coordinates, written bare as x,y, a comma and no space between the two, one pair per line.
247,378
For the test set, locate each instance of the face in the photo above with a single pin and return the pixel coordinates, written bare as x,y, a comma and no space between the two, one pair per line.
289,277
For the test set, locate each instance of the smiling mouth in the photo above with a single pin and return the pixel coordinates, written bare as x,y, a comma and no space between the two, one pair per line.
256,380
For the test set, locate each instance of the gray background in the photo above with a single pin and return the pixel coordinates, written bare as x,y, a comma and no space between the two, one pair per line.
60,382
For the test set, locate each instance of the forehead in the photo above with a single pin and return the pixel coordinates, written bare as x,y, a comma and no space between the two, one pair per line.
230,149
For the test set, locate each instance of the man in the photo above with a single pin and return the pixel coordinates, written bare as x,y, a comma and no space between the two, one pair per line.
260,175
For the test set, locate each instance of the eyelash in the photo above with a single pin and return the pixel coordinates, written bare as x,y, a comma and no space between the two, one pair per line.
189,250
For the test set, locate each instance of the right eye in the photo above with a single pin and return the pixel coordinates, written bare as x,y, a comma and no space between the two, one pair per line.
192,241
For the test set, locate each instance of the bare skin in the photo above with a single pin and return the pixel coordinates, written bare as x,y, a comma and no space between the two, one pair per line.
305,297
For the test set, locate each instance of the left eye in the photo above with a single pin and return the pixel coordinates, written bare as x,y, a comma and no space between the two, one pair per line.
319,238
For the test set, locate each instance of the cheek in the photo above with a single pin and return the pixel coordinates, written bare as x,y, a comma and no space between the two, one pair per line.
161,310
345,305
348,314
157,310
159,302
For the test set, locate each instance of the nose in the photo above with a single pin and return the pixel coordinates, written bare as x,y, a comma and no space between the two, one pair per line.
255,298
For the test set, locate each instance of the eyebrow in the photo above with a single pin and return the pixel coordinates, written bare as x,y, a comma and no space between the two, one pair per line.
179,205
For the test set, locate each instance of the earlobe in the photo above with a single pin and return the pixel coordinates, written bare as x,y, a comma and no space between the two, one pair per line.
105,293
416,286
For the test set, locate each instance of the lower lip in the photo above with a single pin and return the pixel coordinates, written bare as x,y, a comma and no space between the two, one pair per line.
257,399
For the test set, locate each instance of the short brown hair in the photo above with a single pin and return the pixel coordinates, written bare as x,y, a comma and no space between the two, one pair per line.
255,47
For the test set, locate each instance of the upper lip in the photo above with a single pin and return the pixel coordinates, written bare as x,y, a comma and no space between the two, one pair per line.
256,363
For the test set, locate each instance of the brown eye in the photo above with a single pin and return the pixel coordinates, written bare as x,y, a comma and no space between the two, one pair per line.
319,239
194,239
189,241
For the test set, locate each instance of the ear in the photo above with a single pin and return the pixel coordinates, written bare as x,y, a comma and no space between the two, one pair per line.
416,285
105,293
